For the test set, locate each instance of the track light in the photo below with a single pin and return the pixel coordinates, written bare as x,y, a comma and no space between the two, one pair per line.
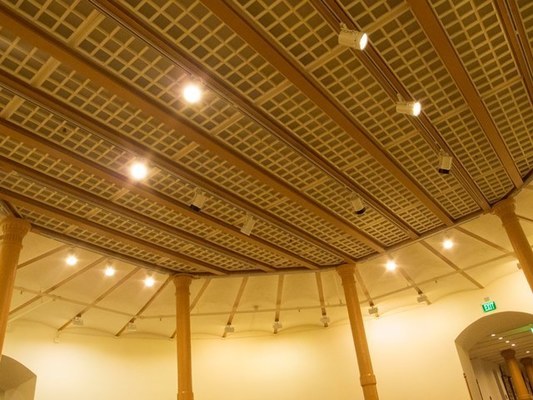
248,225
229,328
325,320
277,325
77,321
351,38
357,204
445,163
131,327
409,107
373,311
422,298
198,201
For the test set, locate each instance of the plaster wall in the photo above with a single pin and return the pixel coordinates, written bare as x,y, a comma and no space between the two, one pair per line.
413,353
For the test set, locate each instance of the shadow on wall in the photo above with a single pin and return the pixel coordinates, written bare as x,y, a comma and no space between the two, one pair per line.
478,330
16,381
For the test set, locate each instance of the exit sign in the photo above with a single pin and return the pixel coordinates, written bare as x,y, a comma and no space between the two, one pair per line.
489,306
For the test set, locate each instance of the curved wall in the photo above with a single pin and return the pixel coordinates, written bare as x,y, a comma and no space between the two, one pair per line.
413,353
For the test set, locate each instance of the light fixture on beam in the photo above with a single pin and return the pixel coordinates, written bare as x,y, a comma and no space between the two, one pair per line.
198,201
352,38
422,298
248,225
409,107
373,311
149,281
229,328
109,270
445,163
391,265
447,243
357,204
77,321
131,327
277,325
325,320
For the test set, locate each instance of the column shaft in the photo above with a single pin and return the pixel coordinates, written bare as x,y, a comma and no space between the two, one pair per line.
527,362
183,337
13,231
368,379
516,374
505,209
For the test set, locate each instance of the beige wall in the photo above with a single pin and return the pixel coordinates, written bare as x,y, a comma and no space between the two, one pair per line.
413,352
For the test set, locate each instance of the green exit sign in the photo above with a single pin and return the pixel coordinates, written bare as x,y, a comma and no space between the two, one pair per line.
489,306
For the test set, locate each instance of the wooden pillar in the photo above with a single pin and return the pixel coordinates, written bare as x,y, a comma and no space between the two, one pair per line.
527,362
368,379
183,336
505,209
516,375
13,231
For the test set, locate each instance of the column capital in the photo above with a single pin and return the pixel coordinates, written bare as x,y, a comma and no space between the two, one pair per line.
14,229
182,281
527,361
508,354
504,208
346,270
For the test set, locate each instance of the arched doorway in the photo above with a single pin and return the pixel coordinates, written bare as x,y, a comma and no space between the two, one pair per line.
479,346
16,381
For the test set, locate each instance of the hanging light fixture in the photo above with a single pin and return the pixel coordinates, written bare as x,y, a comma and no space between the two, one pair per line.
352,38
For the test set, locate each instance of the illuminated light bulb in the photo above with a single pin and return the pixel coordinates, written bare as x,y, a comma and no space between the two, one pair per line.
493,334
391,265
71,260
109,271
138,170
413,108
513,345
506,341
149,281
192,93
447,244
500,338
417,109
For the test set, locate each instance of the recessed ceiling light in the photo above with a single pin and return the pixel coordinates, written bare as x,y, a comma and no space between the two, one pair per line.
448,244
391,265
527,352
138,170
149,281
110,270
500,338
493,334
71,259
507,341
513,345
192,92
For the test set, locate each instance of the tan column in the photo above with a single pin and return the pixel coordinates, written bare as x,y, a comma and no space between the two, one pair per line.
368,379
13,231
527,362
183,336
505,209
516,375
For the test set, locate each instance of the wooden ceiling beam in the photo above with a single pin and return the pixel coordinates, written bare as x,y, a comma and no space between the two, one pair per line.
104,231
441,43
320,289
182,59
43,255
120,282
513,26
483,240
335,14
63,187
270,51
142,190
146,305
279,296
236,304
118,86
57,286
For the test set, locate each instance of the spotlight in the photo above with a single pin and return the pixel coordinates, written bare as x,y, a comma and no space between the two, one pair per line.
198,201
192,92
354,39
229,328
409,107
373,311
71,259
445,163
357,204
324,320
391,265
149,281
138,170
77,321
131,327
447,244
422,298
277,325
109,270
248,225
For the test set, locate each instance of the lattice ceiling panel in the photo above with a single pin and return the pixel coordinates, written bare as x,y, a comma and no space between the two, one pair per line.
365,13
